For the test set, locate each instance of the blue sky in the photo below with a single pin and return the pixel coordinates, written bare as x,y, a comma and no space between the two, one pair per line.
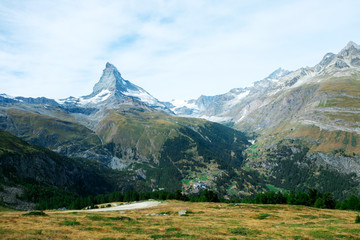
173,49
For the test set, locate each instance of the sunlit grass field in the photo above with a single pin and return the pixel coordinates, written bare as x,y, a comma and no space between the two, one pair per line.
203,221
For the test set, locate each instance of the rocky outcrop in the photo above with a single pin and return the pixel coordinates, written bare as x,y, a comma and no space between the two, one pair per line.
345,164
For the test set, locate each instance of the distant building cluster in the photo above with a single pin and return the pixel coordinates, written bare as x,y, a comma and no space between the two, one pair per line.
200,185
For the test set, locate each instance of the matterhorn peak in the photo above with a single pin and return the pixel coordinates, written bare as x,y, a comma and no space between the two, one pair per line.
109,65
110,80
112,90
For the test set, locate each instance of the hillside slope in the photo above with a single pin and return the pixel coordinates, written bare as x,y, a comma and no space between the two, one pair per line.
22,164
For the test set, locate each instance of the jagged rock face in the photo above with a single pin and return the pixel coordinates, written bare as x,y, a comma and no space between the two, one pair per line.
111,80
320,96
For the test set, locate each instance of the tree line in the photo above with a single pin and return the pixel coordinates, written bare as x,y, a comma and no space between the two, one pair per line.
52,198
312,198
73,202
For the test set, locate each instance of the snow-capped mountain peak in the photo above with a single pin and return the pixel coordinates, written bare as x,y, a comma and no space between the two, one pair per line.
112,89
111,80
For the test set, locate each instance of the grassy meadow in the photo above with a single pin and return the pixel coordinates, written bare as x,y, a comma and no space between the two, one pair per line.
203,221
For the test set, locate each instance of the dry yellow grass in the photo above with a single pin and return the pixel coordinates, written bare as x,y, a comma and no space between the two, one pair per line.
205,221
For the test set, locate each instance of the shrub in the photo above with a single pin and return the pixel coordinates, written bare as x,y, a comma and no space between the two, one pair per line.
242,231
96,217
262,216
70,223
35,213
357,219
121,218
239,231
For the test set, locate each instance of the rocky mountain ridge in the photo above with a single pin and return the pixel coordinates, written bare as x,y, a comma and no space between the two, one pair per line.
234,107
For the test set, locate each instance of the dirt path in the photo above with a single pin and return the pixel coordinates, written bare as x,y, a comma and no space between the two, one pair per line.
140,205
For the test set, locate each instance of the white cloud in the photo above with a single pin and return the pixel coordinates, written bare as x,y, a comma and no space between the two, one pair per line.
173,49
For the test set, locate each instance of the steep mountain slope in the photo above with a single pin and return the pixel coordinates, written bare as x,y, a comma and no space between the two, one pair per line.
331,87
122,126
22,164
306,121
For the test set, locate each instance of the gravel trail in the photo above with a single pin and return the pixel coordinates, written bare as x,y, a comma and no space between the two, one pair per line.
140,205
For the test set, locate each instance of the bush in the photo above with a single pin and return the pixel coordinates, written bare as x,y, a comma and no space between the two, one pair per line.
243,231
357,219
35,213
263,216
239,231
121,218
320,203
70,223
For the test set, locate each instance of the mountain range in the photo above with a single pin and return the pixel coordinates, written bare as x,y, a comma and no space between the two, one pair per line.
313,111
292,130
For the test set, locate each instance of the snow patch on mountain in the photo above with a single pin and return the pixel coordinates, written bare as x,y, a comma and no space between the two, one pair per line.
7,96
237,98
100,97
143,96
243,115
183,103
216,118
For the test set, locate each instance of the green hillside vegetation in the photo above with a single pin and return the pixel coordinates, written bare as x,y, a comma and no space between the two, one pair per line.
340,85
144,132
288,151
170,149
292,168
312,198
41,173
167,149
11,145
49,131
